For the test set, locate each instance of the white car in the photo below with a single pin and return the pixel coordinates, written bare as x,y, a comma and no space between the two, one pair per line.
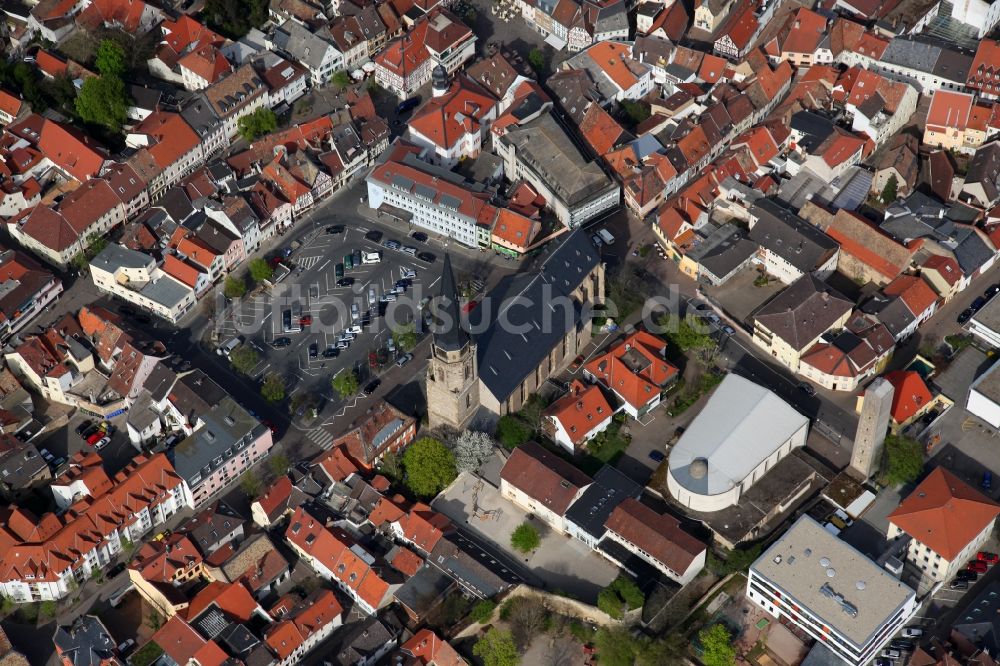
404,359
354,330
101,444
912,632
343,344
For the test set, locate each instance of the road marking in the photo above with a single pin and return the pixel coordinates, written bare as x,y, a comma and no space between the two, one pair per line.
431,285
306,263
321,437
324,264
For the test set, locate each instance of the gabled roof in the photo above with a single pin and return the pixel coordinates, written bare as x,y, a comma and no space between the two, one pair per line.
448,119
635,369
803,312
429,649
911,394
949,110
580,411
657,534
914,291
944,513
544,477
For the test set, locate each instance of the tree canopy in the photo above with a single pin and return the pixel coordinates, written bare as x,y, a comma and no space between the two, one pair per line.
257,124
234,286
497,648
346,383
525,538
890,190
234,18
621,594
260,270
110,59
472,449
340,79
244,359
273,388
717,646
512,431
102,100
904,459
405,337
429,467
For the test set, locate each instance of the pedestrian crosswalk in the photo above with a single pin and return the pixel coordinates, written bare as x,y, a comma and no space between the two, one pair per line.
320,437
307,262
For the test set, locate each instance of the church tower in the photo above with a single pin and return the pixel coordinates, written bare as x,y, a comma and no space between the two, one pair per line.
452,374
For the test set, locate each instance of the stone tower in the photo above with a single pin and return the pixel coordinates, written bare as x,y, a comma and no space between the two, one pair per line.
439,81
872,427
452,374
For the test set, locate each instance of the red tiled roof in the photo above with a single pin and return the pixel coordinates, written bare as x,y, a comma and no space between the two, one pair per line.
599,129
423,527
405,561
949,110
427,648
445,120
911,394
985,71
183,271
946,267
72,150
914,291
807,31
10,103
515,229
173,137
178,640
612,58
544,477
126,14
658,534
581,410
207,62
635,369
232,598
944,513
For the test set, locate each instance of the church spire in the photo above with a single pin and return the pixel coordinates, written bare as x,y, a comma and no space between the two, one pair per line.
450,336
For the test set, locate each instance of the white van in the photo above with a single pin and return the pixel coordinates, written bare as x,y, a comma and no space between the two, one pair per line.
228,347
606,237
371,257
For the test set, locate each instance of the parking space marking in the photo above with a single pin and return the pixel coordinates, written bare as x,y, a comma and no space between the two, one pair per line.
307,262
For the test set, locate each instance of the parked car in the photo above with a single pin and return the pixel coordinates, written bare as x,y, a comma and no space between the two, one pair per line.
912,632
126,646
426,257
313,350
374,236
372,386
280,343
596,240
343,344
977,567
889,653
987,482
901,644
331,352
95,437
978,304
989,558
305,320
968,576
966,315
880,661
408,104
807,388
82,428
116,570
392,244
991,291
410,250
656,456
404,359
419,236
355,330
959,584
104,441
335,229
345,282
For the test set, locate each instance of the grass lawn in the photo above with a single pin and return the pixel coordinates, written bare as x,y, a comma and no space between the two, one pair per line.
604,449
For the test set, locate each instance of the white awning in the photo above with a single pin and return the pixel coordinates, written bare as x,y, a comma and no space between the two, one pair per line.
555,42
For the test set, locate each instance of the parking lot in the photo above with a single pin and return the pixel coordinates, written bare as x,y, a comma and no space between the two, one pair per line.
560,562
297,325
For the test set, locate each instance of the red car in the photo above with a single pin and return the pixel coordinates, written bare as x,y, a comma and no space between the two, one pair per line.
307,320
270,426
977,566
989,558
95,438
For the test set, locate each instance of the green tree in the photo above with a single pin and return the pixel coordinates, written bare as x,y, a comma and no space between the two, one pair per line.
47,609
273,388
279,464
537,60
340,79
110,59
235,286
102,100
890,190
346,383
251,485
483,611
621,594
95,245
405,337
257,124
497,648
525,538
615,646
737,559
260,270
244,359
234,18
686,337
429,467
637,112
512,431
717,646
609,602
903,459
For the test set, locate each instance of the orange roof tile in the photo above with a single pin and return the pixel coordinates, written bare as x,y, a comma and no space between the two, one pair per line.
910,396
949,110
447,119
944,513
427,648
181,270
915,292
612,58
635,369
581,410
515,229
10,103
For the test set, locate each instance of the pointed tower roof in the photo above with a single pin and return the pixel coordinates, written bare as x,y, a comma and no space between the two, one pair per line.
449,336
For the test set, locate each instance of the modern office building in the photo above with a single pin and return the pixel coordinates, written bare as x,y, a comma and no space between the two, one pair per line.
831,591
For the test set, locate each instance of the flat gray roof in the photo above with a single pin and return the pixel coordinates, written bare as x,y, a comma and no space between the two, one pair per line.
741,424
116,256
807,559
989,316
988,384
166,291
